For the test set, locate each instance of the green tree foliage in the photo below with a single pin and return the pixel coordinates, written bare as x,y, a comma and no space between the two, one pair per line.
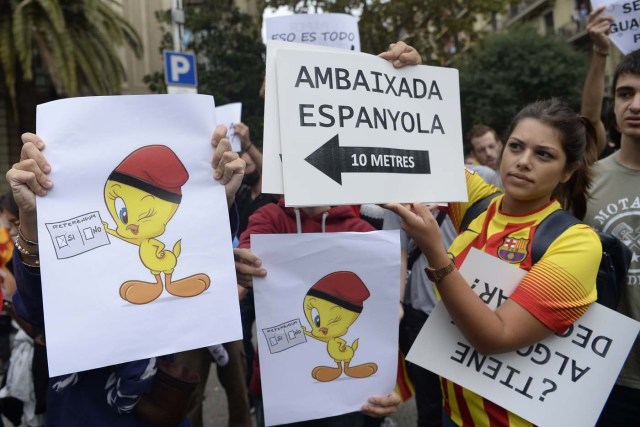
76,42
509,70
436,28
230,57
73,44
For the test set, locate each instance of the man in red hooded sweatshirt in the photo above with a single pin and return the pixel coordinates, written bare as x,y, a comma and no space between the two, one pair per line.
278,219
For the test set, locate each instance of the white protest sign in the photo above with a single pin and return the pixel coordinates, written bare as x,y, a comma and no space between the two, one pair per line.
229,115
134,236
271,147
361,131
325,29
544,383
308,324
625,29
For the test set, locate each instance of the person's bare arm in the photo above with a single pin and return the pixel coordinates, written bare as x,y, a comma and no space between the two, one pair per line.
509,328
593,90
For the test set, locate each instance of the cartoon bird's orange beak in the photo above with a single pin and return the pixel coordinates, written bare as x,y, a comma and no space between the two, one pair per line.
133,228
324,330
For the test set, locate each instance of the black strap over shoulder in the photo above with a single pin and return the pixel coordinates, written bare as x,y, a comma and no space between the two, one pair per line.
476,209
614,263
549,230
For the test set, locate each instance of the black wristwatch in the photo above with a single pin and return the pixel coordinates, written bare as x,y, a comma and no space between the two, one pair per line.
437,274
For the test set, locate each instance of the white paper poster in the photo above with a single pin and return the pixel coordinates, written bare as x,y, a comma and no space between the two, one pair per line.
325,29
625,29
563,380
272,149
360,131
326,299
134,236
230,115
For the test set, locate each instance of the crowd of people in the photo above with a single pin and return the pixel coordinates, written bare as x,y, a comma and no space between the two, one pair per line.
546,161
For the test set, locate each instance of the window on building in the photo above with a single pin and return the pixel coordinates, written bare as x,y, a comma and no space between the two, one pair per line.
549,28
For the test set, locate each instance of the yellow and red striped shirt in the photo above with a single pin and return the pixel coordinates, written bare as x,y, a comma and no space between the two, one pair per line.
557,290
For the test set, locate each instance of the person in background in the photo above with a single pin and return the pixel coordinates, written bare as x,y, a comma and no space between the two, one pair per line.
234,366
249,199
278,219
485,145
614,202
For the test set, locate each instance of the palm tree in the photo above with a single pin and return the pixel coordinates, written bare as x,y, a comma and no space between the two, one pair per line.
74,41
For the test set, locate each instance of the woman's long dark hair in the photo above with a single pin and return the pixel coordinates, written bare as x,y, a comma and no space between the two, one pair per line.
578,138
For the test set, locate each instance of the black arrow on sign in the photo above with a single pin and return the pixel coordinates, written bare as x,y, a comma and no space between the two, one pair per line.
333,160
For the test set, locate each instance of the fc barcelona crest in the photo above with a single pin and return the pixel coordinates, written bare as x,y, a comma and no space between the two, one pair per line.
513,250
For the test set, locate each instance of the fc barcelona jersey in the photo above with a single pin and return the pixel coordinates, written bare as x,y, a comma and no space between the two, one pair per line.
557,290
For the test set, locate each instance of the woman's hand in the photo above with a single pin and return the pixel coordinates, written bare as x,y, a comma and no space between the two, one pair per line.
422,227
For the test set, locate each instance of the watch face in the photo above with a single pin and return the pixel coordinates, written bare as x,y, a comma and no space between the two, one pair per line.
436,275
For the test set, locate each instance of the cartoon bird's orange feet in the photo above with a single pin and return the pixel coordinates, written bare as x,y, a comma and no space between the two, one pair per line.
189,286
326,373
361,371
137,292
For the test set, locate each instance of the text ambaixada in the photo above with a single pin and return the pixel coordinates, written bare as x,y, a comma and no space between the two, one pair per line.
373,81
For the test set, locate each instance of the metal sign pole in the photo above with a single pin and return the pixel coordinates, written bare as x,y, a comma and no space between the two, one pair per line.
177,21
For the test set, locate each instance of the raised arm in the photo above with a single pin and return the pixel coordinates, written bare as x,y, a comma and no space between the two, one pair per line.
593,91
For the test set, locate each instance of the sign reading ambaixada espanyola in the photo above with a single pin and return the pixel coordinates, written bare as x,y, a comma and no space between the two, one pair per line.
368,129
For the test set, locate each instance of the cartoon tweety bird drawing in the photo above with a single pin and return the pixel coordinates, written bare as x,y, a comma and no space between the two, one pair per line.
331,306
142,194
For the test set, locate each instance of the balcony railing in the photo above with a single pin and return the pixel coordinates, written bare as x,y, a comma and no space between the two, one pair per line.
523,9
573,30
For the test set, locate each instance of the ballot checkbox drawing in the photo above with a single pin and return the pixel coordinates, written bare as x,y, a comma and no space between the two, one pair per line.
77,235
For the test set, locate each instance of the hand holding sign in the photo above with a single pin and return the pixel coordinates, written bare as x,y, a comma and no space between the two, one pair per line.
543,382
599,27
230,115
401,54
625,24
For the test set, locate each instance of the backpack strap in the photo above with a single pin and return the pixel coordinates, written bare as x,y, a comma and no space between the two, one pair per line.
476,209
549,230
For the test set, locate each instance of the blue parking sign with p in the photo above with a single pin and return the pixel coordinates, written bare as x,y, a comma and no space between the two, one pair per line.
180,68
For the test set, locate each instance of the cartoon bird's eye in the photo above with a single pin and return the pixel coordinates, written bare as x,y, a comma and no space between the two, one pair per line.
121,210
315,316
